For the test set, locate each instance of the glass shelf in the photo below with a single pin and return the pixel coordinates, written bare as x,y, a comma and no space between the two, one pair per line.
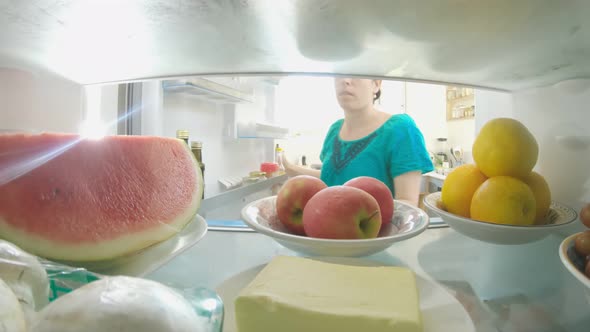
520,288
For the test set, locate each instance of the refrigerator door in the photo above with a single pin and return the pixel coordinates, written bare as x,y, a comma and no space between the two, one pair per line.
501,44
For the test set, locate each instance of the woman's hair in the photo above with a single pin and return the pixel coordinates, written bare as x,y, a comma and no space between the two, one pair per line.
377,96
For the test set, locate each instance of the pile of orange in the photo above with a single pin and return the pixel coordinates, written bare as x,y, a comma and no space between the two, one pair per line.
501,187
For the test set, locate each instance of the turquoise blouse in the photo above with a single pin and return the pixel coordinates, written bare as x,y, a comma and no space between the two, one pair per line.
395,148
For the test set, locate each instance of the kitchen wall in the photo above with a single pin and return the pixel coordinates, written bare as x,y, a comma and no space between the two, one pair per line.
207,122
308,106
426,104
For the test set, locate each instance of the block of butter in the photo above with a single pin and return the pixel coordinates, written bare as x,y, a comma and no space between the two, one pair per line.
294,294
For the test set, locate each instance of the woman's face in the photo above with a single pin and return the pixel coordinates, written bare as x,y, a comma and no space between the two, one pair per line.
356,93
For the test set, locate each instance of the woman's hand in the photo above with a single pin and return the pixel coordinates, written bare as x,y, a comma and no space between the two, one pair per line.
287,165
294,170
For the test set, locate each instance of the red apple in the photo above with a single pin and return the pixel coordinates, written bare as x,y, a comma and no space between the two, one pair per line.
342,212
379,191
292,198
585,215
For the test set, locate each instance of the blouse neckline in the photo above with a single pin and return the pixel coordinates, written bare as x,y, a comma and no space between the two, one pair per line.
364,137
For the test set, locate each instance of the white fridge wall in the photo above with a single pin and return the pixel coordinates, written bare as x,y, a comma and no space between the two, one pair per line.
151,113
42,101
39,101
491,104
109,103
558,111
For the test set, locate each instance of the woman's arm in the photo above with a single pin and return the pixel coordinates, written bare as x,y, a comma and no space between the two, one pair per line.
407,187
294,170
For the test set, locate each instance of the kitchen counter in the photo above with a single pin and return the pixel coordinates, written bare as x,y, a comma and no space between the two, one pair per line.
435,175
520,288
432,182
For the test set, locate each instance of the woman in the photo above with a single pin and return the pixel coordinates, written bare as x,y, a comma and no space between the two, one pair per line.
368,142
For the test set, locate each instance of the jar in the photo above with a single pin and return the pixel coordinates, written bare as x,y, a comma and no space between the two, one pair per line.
441,154
269,168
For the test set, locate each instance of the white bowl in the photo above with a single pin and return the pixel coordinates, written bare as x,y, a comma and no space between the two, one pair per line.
566,260
407,222
559,216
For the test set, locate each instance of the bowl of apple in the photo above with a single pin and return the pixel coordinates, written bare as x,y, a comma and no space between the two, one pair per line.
574,252
356,219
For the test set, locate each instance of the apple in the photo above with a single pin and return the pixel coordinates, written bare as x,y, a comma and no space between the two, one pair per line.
292,198
342,212
585,215
582,243
379,191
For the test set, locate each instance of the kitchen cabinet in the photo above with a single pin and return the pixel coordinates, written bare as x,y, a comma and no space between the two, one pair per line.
460,103
233,118
261,130
233,92
224,91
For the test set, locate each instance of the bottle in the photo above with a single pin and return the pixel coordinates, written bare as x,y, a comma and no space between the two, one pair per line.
183,135
197,149
278,159
277,150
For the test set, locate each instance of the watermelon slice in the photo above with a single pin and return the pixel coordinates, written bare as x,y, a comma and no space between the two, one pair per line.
67,198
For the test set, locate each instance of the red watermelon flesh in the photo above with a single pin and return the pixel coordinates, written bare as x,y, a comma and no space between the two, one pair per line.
67,198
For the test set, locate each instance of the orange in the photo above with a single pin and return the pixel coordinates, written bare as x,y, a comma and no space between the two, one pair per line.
459,187
540,189
504,200
505,146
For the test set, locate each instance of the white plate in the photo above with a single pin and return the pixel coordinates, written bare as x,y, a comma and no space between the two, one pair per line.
147,260
408,221
441,312
559,216
565,245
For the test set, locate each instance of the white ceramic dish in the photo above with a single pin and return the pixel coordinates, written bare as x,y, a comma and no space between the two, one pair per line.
565,254
145,261
559,216
441,312
407,222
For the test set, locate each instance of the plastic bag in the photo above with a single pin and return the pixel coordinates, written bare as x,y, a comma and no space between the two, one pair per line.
206,303
64,279
19,266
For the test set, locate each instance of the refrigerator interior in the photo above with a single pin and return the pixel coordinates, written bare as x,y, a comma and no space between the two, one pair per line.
78,65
